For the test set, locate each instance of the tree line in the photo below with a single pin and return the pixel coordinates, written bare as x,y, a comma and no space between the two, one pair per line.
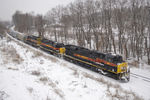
26,22
119,26
3,28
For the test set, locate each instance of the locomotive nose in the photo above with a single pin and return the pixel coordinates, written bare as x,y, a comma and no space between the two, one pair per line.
124,72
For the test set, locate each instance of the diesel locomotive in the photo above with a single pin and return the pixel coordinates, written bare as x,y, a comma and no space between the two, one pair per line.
108,64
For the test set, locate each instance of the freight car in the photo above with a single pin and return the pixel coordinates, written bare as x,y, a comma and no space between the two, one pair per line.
17,35
20,36
13,34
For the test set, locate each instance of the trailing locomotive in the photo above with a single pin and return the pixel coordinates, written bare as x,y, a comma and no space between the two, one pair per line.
46,45
108,64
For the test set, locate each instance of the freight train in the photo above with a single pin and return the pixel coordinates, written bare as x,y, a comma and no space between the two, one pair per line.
105,63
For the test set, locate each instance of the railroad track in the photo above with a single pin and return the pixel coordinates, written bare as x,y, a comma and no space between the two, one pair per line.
147,79
131,74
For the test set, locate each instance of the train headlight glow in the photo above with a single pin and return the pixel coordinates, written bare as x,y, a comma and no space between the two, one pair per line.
123,68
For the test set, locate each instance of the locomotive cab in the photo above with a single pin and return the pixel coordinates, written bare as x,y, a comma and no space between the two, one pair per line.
61,49
123,70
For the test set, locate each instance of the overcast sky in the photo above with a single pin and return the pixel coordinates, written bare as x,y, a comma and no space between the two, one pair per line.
8,7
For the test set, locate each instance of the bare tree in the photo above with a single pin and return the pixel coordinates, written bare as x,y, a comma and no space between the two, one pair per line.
119,26
22,22
2,29
40,25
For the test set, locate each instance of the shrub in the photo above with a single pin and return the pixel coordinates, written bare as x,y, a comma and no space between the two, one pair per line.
36,54
10,54
44,79
30,89
36,73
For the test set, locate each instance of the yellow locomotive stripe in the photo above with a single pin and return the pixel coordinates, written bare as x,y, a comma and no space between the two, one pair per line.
96,60
90,64
84,57
42,47
44,44
48,45
33,40
49,50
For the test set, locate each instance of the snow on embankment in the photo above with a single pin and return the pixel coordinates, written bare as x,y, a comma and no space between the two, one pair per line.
29,74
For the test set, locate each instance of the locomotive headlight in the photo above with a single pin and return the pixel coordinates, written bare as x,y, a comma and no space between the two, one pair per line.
123,68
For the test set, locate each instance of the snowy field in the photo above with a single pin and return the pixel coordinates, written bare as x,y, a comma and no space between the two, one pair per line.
27,73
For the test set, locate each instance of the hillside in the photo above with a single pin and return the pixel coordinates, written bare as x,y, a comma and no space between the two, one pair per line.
27,73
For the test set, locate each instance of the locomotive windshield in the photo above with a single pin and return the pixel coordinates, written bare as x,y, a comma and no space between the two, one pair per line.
58,45
114,58
117,59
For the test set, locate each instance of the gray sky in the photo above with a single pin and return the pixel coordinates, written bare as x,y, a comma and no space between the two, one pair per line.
8,7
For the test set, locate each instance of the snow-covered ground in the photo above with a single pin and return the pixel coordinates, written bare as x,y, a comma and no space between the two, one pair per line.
29,74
